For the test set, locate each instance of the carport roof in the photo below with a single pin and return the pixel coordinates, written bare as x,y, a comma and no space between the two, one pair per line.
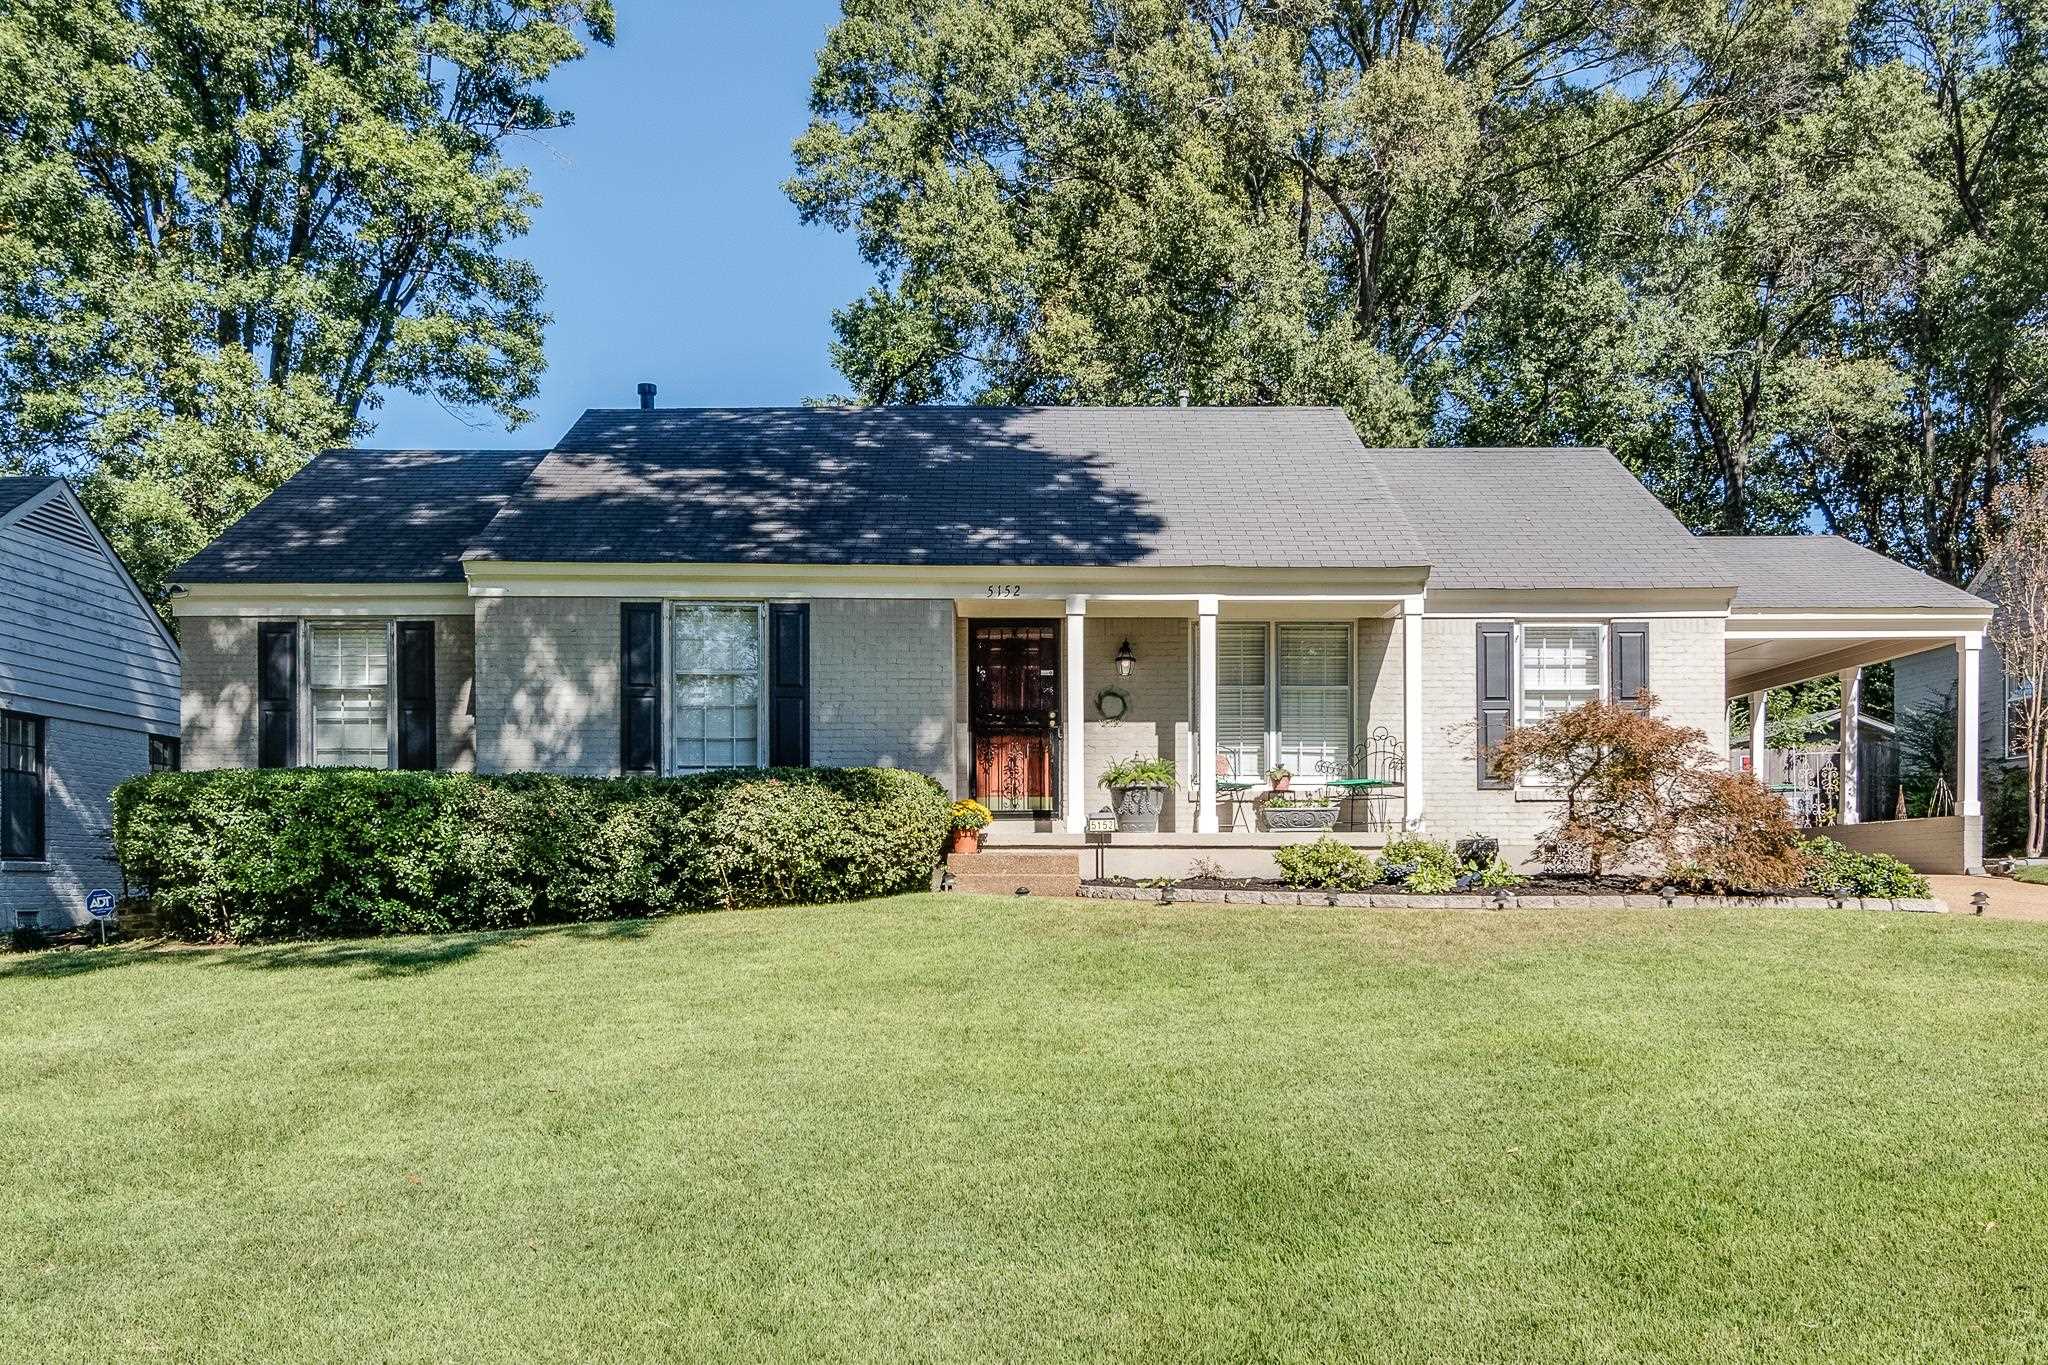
1828,573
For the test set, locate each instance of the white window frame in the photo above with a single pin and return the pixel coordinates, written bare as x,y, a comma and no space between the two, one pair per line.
1532,781
1269,751
669,767
309,744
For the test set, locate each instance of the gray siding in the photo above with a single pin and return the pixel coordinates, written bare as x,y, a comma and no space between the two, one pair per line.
1924,684
75,638
83,764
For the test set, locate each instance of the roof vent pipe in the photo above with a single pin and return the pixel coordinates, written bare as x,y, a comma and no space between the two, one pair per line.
1183,395
646,395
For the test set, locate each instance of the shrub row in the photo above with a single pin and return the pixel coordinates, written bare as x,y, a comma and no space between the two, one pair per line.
312,852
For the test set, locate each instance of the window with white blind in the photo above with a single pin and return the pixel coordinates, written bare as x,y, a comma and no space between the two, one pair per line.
1560,669
1314,696
1241,698
349,668
716,707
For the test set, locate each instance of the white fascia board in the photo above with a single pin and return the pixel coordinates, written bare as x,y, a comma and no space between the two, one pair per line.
1491,604
966,583
1904,622
323,600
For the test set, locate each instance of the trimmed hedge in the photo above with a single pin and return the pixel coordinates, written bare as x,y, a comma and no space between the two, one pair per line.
299,853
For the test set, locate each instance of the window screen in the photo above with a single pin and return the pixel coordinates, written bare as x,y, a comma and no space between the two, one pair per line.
350,670
1315,696
717,708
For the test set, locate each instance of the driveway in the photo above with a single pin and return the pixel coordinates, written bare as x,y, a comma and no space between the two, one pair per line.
2009,899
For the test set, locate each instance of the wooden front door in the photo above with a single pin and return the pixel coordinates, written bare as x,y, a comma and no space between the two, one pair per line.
1013,711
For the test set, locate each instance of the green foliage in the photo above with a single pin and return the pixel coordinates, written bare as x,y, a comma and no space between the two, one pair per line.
228,227
1784,259
1139,771
1326,865
1427,867
314,852
1835,870
1497,875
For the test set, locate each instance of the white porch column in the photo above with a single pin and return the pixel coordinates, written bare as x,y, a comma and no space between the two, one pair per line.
1073,728
1205,716
1759,743
1969,670
1411,711
1852,744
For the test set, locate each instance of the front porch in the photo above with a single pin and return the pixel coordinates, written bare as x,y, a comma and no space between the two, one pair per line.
1225,687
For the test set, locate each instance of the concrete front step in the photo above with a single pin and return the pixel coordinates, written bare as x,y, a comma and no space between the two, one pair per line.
1031,884
1004,873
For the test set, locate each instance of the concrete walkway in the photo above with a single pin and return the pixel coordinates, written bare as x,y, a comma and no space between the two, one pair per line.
2009,899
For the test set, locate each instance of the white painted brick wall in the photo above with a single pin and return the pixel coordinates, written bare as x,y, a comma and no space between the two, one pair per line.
219,708
882,685
83,765
1687,672
547,685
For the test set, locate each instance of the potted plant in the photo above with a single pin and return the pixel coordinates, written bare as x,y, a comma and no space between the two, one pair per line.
1299,812
1278,778
1137,788
970,818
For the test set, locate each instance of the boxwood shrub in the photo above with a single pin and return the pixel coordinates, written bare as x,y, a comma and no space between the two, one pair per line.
298,853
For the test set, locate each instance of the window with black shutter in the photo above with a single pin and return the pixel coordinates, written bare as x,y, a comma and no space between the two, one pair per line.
21,786
640,687
416,724
789,685
277,694
1496,694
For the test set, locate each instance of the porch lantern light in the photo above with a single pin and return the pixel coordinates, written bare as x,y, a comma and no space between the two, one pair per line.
1125,659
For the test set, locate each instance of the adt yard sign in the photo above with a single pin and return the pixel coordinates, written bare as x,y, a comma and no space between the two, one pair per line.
99,904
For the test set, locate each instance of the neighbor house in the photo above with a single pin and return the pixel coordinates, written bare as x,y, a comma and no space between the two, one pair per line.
1926,684
1009,599
88,697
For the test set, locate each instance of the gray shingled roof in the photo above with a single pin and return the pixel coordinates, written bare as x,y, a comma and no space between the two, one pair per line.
16,489
1569,517
1824,573
1274,487
366,516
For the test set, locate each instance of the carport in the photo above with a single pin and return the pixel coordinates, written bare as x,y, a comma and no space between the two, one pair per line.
1810,606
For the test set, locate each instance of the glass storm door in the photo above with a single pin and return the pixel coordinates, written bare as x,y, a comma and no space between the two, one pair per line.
1012,707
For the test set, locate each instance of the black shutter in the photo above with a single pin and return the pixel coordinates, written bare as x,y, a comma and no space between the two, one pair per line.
1496,696
21,786
640,687
1630,668
416,725
789,685
277,693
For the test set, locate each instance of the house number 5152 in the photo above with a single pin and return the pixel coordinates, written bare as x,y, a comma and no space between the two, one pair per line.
1006,590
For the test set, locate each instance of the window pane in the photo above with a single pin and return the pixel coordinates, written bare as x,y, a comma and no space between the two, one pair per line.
349,667
1560,669
1241,697
1315,697
716,656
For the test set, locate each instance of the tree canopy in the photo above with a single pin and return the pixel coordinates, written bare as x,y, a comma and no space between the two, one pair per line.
1785,259
227,226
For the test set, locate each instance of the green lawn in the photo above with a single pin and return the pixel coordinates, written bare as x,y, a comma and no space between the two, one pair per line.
955,1127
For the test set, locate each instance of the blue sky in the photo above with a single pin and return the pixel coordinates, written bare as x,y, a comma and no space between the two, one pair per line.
669,251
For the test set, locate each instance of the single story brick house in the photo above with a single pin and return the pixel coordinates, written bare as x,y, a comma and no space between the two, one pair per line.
1009,599
88,697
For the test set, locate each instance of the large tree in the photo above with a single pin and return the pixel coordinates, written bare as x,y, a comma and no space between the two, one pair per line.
1785,259
227,226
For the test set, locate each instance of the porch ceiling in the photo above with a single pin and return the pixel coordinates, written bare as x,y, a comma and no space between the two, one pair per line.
1766,650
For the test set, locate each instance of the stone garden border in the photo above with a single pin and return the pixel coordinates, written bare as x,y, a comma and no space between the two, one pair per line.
1395,900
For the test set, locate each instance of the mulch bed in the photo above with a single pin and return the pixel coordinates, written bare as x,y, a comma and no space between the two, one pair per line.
1542,884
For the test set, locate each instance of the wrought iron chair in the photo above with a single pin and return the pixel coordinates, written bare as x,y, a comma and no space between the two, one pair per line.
1375,774
1232,788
